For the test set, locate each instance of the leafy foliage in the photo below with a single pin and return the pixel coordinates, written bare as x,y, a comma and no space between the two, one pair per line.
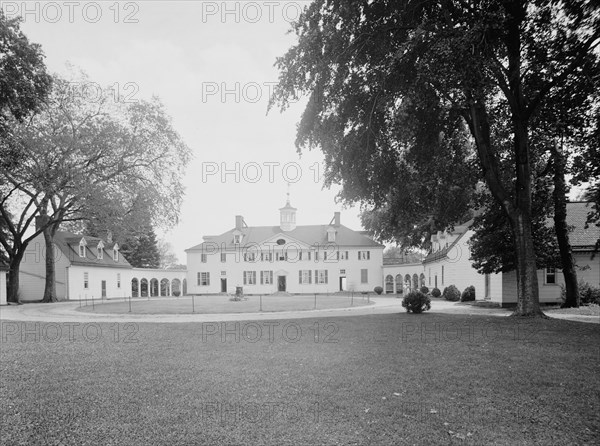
436,292
589,294
451,293
416,302
468,294
424,290
141,250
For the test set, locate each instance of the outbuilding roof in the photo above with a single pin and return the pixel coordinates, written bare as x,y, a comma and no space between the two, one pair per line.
68,243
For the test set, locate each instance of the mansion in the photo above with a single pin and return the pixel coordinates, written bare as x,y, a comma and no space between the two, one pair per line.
286,258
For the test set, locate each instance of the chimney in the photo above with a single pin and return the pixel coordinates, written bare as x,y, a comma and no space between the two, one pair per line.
239,222
336,218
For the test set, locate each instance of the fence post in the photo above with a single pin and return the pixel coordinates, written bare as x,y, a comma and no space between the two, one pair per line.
193,304
130,304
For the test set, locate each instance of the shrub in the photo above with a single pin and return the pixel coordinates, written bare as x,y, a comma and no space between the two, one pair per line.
424,290
588,294
378,290
416,302
451,293
436,292
468,294
176,293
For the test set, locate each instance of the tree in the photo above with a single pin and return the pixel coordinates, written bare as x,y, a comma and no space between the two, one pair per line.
90,159
24,82
495,64
168,259
407,256
141,250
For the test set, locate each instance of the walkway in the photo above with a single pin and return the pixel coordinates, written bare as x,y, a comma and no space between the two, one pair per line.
67,312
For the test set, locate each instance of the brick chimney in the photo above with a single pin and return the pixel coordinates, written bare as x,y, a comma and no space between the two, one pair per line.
239,222
336,218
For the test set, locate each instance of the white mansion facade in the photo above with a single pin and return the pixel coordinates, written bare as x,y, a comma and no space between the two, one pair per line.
285,258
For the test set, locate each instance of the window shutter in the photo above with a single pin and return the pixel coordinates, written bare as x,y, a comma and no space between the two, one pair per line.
326,280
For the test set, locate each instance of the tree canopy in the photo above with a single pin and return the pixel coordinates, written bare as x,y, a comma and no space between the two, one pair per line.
391,84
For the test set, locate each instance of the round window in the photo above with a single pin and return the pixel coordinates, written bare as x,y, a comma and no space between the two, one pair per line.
281,241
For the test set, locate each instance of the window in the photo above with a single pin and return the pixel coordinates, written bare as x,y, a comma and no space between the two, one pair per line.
320,276
343,271
342,255
223,257
282,256
364,276
304,277
266,277
116,254
250,257
364,255
249,277
223,273
82,250
442,275
203,279
237,239
100,249
118,280
550,276
266,256
429,276
86,280
203,258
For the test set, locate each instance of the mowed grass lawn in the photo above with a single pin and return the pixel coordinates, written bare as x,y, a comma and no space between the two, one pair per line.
222,304
366,380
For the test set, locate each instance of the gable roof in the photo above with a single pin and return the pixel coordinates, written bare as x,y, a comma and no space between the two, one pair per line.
308,234
581,238
68,243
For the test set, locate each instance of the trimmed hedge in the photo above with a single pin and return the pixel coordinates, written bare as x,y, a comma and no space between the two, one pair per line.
378,290
424,290
451,293
416,302
436,292
468,294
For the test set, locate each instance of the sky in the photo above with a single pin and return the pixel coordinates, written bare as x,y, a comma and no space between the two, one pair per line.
212,65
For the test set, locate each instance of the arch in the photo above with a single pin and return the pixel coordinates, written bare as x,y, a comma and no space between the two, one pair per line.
407,283
415,280
165,287
422,279
389,284
144,288
176,287
153,287
135,287
184,287
399,287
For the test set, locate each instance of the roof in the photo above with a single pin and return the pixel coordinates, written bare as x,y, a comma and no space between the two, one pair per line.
308,234
398,261
581,238
68,243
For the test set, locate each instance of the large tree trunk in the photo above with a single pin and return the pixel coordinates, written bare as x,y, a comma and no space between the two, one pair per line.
528,301
13,276
562,231
50,287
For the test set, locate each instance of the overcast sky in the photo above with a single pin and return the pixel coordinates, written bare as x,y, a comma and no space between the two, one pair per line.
211,63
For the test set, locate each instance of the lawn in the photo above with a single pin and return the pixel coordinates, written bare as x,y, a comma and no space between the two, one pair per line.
367,380
222,304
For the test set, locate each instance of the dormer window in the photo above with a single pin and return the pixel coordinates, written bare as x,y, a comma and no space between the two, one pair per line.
237,239
82,248
100,248
116,253
331,235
